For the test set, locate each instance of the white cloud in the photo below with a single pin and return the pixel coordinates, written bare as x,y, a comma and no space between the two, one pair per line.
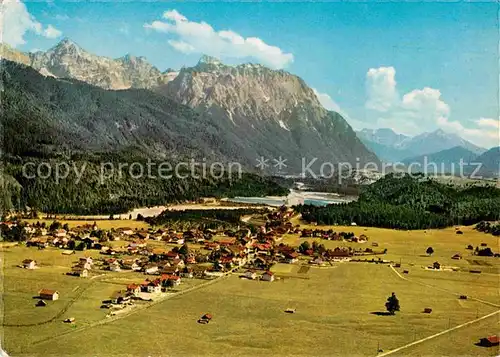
200,37
381,88
488,123
326,101
424,106
480,136
51,32
15,21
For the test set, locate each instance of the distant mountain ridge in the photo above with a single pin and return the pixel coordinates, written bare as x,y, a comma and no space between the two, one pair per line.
68,60
392,147
444,162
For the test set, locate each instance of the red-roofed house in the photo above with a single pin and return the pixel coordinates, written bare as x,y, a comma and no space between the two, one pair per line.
48,294
267,276
134,289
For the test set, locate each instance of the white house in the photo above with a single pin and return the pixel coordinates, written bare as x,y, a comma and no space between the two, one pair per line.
86,260
60,233
127,231
267,276
48,294
115,267
29,264
250,275
130,265
134,289
153,287
151,269
82,273
176,280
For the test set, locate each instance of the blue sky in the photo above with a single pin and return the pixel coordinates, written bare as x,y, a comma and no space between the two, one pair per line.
410,66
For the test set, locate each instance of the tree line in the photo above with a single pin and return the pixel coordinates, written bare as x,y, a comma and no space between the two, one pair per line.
411,202
120,193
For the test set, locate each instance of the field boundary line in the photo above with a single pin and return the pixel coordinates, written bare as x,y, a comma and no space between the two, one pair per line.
444,290
79,292
438,334
137,309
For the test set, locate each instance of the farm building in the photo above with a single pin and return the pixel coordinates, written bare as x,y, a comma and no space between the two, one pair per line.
291,257
85,260
267,276
80,272
205,319
48,294
489,341
29,264
151,269
250,275
152,286
41,303
134,289
457,256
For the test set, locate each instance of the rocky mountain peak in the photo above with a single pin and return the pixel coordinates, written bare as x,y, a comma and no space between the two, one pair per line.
245,89
66,46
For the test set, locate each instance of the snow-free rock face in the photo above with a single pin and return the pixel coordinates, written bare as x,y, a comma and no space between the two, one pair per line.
268,113
68,60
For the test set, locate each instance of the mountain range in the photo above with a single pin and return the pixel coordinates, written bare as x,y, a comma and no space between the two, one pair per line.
392,147
68,60
73,100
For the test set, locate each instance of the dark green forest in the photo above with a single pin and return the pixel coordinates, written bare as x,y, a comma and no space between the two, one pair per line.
120,192
411,202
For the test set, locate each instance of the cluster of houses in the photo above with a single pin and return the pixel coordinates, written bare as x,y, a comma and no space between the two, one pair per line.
217,253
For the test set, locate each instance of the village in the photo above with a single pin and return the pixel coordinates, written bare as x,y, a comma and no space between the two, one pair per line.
166,257
147,265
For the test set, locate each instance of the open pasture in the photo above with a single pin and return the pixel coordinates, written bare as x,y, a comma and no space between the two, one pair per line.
337,307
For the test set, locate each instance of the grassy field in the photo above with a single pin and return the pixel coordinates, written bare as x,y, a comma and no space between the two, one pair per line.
336,306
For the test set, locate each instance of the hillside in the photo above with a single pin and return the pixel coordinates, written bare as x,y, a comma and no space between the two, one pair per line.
490,161
49,116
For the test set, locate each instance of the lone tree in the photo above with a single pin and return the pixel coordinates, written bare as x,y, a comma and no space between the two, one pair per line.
304,246
429,251
392,304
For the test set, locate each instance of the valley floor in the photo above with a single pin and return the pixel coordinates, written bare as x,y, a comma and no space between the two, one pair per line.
336,306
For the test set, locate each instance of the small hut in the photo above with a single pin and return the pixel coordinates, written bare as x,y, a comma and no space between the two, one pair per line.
489,341
41,303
